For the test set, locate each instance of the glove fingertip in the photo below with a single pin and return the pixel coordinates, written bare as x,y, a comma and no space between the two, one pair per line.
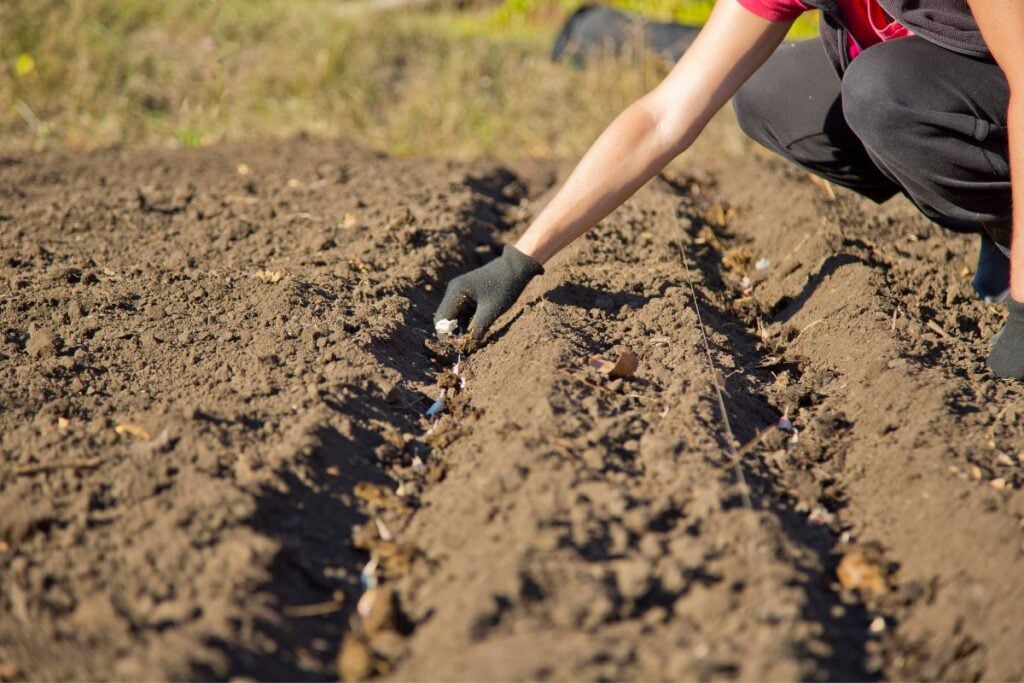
482,322
454,300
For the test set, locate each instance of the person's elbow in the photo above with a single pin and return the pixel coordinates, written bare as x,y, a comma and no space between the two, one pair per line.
673,124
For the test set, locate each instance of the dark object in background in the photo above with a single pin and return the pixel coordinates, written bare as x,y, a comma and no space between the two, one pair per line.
593,30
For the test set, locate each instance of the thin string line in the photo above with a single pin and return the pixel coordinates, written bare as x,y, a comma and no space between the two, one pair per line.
730,437
761,569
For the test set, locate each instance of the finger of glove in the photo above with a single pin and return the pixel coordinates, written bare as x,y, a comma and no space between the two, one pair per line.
456,299
486,314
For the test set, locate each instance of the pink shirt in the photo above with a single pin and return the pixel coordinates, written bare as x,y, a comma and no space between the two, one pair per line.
868,22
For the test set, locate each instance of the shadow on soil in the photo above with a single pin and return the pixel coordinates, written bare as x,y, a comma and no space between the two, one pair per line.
844,627
314,518
316,565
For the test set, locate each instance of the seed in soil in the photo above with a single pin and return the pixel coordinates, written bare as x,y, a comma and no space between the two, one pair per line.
445,327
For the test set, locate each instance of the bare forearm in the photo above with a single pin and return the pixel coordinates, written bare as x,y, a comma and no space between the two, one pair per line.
658,126
1015,120
628,154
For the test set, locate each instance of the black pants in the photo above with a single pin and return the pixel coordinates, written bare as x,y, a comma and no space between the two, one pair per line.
908,116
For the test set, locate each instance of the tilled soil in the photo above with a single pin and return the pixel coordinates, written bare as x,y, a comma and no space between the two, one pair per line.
216,459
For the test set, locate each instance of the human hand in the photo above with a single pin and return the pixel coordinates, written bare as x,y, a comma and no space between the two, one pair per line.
1007,356
493,288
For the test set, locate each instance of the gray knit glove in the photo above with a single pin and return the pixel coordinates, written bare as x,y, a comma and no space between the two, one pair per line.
1007,357
493,288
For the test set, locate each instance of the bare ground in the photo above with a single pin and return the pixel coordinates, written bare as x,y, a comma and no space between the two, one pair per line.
216,364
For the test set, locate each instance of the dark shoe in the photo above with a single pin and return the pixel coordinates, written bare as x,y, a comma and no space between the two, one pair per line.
992,278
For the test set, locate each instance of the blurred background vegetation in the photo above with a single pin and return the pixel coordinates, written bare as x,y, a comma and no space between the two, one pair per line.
425,78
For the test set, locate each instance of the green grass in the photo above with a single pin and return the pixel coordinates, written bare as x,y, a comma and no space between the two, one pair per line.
517,12
88,73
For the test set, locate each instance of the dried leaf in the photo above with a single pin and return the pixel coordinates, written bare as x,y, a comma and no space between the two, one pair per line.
824,185
379,497
623,365
268,276
856,571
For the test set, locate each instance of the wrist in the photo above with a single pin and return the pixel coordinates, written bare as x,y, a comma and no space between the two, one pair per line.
524,264
532,248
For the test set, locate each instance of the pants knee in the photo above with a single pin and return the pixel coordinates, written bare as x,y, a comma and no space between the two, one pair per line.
872,103
753,117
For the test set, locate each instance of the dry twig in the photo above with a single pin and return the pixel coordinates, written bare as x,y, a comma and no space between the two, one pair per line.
317,609
937,329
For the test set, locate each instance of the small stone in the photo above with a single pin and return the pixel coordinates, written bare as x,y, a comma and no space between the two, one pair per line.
633,578
636,520
96,614
877,625
42,344
655,615
650,547
75,311
593,458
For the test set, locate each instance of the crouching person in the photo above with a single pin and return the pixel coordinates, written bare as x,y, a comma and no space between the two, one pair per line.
896,96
